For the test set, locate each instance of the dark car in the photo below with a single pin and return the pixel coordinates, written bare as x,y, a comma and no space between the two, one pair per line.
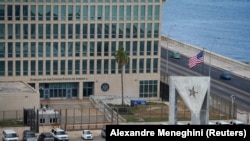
225,76
175,55
29,135
45,136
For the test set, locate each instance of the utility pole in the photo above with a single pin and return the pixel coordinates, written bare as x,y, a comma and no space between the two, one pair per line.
209,69
167,44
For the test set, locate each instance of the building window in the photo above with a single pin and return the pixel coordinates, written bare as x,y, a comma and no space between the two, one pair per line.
55,49
55,31
92,49
33,49
18,68
2,68
40,31
84,66
25,68
99,66
99,48
63,31
156,46
141,65
55,67
33,67
42,120
148,65
142,46
84,48
106,48
70,67
149,47
148,88
155,67
10,50
106,66
2,50
62,67
113,66
48,67
40,67
2,31
63,50
70,49
77,49
91,66
77,66
10,68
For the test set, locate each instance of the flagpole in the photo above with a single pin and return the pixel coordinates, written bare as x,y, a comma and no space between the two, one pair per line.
203,63
209,69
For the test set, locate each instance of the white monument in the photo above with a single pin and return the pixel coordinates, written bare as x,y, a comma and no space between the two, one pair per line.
195,92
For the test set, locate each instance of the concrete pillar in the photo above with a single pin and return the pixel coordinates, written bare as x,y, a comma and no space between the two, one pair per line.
172,104
80,90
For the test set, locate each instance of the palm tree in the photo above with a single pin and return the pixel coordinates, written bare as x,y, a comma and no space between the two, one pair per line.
121,59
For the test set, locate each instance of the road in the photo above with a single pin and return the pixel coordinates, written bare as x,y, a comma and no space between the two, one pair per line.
238,86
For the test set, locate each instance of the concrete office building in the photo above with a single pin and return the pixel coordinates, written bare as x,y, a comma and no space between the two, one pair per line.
64,48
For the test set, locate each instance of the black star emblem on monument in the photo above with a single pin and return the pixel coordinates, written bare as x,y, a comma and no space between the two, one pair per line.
192,92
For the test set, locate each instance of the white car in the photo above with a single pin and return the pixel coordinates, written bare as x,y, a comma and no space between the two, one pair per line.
59,134
87,135
9,135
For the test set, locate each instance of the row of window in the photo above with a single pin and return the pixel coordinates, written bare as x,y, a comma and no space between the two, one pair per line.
80,1
77,67
79,31
77,49
80,12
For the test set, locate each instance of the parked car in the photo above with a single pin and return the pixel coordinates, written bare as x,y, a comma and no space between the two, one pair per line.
237,122
221,122
225,76
29,135
103,132
87,135
9,135
45,136
175,55
59,134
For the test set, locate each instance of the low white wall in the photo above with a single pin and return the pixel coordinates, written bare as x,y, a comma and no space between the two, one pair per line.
217,60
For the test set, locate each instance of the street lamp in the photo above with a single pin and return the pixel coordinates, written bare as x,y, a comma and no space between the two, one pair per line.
209,69
167,43
232,104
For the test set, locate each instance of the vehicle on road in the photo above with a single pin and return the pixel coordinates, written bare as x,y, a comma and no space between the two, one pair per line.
59,134
87,135
29,135
225,76
9,135
175,55
222,122
103,132
45,136
237,122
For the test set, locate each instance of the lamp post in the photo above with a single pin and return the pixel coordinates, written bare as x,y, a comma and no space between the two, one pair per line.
232,104
167,43
209,69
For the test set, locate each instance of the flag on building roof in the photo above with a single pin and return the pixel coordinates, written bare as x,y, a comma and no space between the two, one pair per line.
193,61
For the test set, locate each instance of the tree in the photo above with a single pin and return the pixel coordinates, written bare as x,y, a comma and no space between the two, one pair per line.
121,59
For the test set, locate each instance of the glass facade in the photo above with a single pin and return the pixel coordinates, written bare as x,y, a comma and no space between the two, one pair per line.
78,37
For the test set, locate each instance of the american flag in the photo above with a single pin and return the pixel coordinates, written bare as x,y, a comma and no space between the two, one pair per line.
193,61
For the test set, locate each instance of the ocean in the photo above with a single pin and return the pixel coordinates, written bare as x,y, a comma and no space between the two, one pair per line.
219,26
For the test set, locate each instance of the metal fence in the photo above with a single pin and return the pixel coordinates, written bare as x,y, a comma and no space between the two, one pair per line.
95,118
